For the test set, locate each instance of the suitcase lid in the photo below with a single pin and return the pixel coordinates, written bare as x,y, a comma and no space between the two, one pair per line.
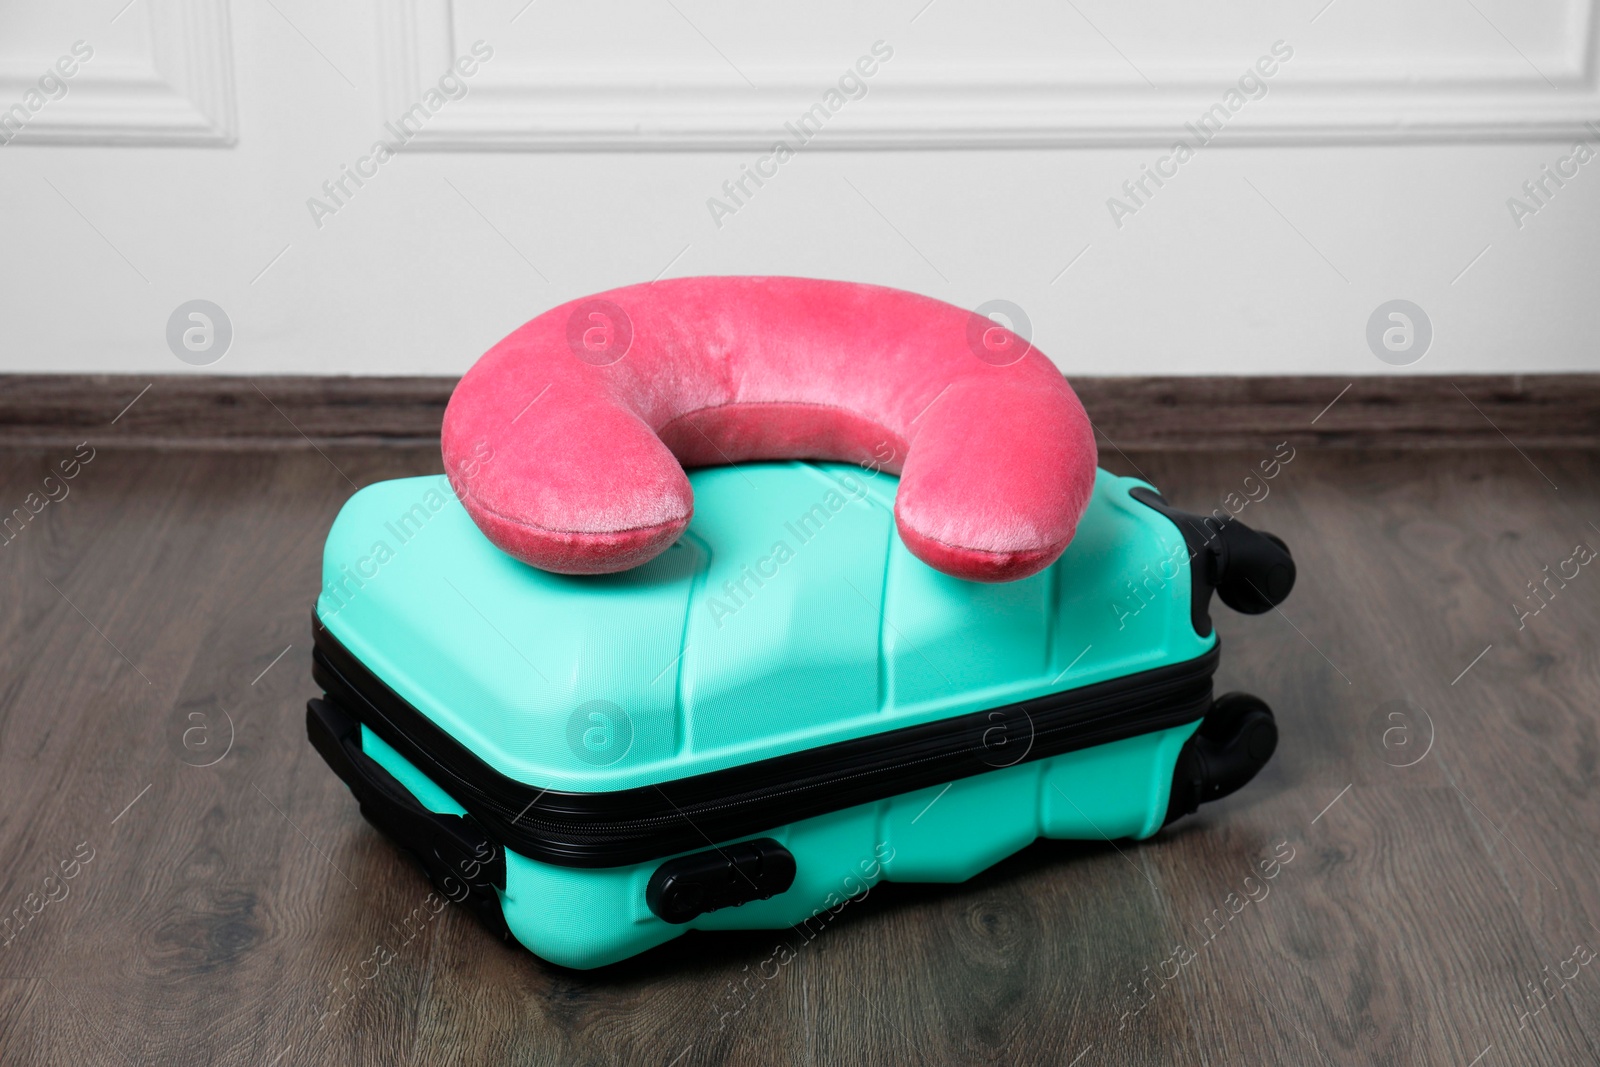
789,616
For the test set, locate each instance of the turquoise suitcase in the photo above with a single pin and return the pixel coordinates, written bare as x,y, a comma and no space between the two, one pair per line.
783,709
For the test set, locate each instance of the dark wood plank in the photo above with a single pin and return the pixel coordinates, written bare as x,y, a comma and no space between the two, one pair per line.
1209,413
1402,586
226,916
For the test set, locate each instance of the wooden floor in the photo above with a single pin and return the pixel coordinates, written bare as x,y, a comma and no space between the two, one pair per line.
1441,912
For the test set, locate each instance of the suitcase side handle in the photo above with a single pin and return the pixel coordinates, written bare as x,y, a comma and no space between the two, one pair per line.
687,887
461,860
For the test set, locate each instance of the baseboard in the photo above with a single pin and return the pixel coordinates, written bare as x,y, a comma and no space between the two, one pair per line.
194,411
204,411
1467,411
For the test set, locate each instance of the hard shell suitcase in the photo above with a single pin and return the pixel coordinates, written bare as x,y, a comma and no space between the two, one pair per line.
776,713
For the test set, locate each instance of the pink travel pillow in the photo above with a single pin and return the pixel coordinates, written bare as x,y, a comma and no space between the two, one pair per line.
567,441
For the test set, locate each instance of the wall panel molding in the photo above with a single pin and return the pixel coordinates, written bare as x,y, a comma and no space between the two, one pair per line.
186,97
991,103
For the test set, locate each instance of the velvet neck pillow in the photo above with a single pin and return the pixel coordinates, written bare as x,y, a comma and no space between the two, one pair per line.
567,441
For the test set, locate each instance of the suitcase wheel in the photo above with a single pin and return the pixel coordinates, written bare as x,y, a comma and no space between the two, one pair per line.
1258,573
1251,570
1235,740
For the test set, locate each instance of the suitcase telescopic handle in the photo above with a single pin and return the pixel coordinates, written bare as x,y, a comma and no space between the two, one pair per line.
461,860
1249,570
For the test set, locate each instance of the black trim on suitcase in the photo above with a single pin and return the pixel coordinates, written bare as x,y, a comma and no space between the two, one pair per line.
628,826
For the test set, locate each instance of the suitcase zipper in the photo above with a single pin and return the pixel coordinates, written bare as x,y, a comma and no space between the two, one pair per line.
649,822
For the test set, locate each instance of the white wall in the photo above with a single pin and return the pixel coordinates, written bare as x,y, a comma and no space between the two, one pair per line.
977,166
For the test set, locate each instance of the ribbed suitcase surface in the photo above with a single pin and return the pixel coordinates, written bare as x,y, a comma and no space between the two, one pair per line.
784,700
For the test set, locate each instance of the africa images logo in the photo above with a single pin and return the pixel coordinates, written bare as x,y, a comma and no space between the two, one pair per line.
51,85
851,85
452,85
1251,85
